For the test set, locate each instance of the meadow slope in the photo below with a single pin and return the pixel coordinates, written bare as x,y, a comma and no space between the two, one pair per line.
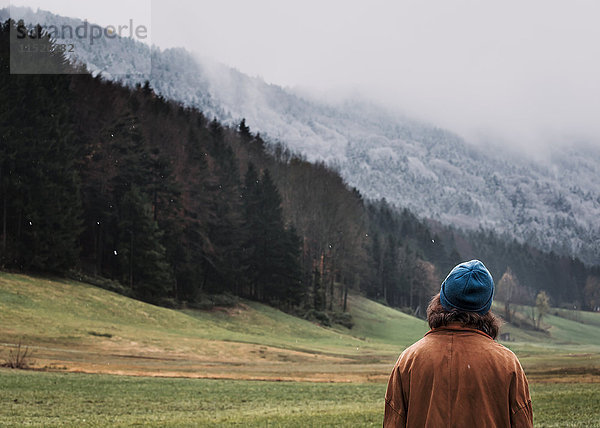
73,326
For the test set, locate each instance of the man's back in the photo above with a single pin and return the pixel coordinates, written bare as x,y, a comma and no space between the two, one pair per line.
457,377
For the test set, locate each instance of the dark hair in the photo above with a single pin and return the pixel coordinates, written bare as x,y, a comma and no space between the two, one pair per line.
437,316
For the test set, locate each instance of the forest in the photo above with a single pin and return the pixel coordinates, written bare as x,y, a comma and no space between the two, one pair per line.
150,198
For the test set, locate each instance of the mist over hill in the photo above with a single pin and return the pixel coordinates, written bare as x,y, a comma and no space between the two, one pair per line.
552,202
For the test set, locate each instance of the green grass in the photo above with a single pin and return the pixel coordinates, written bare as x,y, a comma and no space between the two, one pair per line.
100,400
71,399
564,327
566,404
383,325
592,318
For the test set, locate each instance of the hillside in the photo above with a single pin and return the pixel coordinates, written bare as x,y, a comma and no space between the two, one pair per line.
80,327
73,326
552,203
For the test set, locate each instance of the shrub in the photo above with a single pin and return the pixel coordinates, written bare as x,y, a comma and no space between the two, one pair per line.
328,318
343,319
320,317
210,301
18,358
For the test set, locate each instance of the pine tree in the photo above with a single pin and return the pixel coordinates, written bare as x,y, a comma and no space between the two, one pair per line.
270,237
271,253
193,249
244,131
250,249
390,270
222,269
41,204
292,291
141,256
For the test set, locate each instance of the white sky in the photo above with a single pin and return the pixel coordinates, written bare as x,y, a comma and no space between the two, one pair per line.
525,71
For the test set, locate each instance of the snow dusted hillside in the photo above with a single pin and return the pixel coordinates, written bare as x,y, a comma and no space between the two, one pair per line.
553,204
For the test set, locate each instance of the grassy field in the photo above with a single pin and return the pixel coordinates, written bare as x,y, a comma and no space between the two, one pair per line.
71,399
201,367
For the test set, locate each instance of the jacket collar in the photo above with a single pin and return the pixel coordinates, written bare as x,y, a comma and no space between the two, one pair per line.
455,326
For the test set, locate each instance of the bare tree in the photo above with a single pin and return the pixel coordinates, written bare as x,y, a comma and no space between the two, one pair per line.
542,304
591,292
507,287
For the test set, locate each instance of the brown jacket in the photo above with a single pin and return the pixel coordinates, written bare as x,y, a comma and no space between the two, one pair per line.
457,377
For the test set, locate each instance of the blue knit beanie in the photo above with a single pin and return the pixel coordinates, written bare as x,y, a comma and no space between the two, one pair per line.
468,287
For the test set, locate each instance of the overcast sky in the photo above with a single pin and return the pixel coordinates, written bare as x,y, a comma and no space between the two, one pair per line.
526,72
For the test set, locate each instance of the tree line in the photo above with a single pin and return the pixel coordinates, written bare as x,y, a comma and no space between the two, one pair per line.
168,205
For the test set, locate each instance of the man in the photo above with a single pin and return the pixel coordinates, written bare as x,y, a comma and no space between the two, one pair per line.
457,375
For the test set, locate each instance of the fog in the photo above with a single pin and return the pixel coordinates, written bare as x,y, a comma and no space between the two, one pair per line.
521,73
